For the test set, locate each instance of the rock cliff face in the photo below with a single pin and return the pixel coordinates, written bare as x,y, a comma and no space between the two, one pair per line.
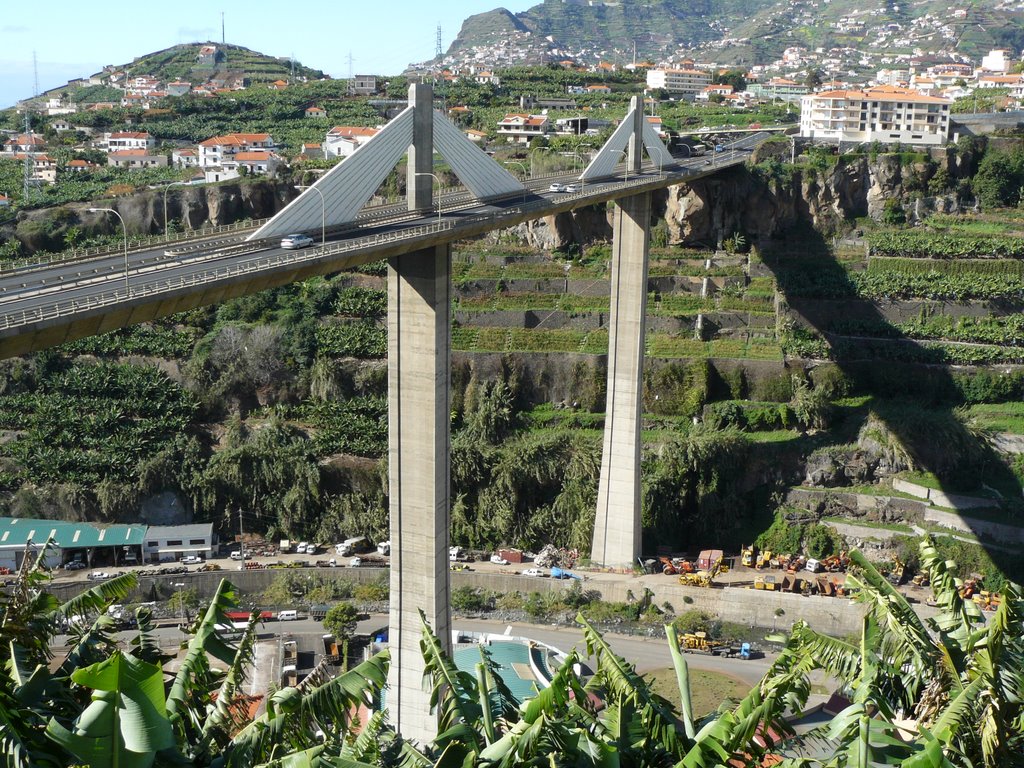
192,207
760,205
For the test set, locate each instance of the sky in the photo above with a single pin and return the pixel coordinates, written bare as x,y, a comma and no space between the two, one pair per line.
74,38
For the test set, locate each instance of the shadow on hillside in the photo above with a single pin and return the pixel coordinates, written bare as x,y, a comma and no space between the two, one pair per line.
913,406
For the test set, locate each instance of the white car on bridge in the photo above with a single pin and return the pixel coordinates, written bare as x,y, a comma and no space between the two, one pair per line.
296,241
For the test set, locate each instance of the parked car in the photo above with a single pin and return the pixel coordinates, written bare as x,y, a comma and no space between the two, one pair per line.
556,187
74,565
192,560
498,560
99,576
296,241
236,555
535,572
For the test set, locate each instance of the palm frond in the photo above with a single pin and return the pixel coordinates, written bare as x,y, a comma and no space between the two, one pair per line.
453,693
621,679
99,597
682,679
189,692
224,714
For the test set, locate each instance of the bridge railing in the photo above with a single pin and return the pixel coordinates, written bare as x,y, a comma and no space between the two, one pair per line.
270,261
135,243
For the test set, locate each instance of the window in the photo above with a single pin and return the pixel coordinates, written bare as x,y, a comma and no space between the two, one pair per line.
152,544
174,542
200,542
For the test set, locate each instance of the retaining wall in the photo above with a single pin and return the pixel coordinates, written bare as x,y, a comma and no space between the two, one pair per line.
835,616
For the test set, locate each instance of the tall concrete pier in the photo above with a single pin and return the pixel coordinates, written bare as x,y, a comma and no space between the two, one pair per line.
617,528
418,455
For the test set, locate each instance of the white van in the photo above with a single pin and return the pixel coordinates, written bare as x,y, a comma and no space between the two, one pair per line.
287,615
814,566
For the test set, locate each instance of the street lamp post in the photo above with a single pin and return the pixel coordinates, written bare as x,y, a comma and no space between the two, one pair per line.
578,154
323,216
434,177
525,173
167,187
124,231
625,162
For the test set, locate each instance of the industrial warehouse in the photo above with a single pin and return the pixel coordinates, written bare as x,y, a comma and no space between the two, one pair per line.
101,545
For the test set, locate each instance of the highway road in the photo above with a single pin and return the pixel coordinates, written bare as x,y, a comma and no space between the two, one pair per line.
46,289
647,653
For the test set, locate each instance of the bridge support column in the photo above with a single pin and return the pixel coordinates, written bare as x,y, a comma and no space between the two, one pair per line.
418,467
617,522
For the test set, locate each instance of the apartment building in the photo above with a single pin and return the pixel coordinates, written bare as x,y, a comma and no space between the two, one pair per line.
884,113
686,82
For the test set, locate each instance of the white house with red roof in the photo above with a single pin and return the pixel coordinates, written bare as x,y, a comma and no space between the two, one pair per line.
343,140
186,157
315,112
44,167
217,150
521,129
885,113
136,158
125,140
79,166
4,201
24,142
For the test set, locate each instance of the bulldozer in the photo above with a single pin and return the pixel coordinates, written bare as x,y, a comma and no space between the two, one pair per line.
764,560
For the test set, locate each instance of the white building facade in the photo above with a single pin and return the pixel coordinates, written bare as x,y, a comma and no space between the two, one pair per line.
887,114
688,82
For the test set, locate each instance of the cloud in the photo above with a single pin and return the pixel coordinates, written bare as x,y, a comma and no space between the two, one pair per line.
12,29
196,33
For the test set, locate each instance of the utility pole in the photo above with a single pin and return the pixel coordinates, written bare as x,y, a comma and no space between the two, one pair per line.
351,76
437,47
241,536
222,37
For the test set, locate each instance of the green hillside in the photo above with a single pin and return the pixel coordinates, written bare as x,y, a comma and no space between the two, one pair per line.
753,31
181,62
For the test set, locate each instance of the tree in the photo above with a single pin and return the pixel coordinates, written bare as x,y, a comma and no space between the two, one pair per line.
999,178
341,621
814,78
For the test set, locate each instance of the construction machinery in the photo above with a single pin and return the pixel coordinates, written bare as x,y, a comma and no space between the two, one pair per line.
987,601
897,572
698,642
764,560
748,556
702,578
765,581
675,565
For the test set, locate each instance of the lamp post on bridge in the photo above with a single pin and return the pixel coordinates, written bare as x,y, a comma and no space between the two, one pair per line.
124,231
434,177
167,187
525,173
577,154
323,216
625,162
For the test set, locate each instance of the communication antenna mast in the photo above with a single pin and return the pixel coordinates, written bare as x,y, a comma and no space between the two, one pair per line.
26,191
35,75
437,49
351,75
222,37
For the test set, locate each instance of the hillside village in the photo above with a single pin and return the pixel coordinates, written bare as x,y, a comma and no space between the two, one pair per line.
817,82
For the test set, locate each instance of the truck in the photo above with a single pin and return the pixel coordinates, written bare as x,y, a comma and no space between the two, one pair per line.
384,548
698,642
286,546
352,546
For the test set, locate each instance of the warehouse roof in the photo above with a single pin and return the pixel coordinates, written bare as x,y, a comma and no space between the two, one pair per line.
16,532
193,530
